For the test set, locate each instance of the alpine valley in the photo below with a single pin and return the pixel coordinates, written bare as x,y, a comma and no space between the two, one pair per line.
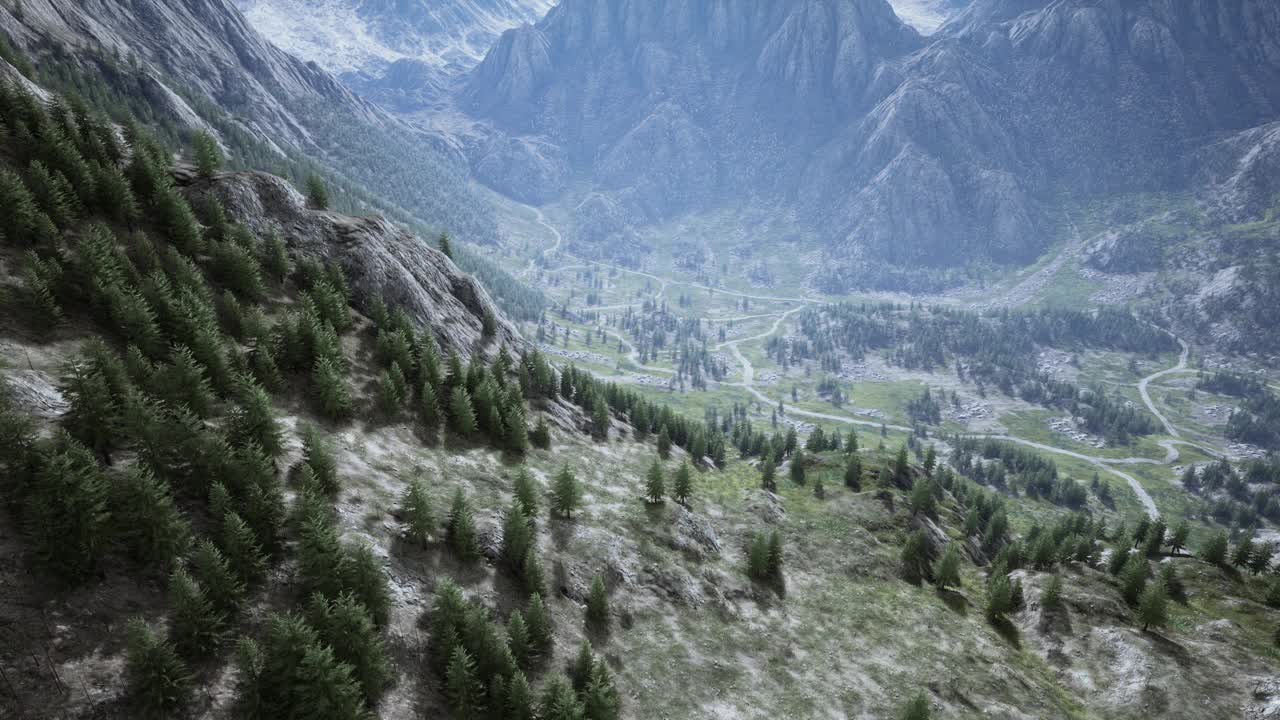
599,359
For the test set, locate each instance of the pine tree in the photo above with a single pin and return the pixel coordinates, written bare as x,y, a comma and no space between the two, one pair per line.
344,623
517,537
917,708
999,596
252,422
332,393
462,687
460,529
853,473
655,484
558,701
462,418
917,565
242,550
1178,540
1214,551
1153,606
566,494
597,612
208,155
1051,597
296,674
416,510
1244,552
1133,578
92,415
211,569
664,443
518,640
767,474
539,623
600,698
526,493
146,518
684,484
317,193
317,454
758,558
158,682
519,699
540,437
901,469
445,245
273,256
197,627
921,500
66,510
797,467
583,664
531,571
947,572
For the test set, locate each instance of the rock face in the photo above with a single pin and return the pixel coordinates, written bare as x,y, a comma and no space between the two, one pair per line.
919,151
379,46
380,258
200,63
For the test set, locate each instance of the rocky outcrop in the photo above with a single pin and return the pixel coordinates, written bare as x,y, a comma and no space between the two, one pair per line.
380,258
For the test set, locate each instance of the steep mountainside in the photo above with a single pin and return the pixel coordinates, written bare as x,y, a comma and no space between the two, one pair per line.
397,51
199,63
900,148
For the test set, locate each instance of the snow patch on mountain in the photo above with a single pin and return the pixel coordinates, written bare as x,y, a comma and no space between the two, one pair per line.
926,16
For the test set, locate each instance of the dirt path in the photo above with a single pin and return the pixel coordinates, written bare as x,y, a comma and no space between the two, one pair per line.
1021,292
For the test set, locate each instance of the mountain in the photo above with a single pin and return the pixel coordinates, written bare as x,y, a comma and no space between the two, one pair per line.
400,52
919,151
199,63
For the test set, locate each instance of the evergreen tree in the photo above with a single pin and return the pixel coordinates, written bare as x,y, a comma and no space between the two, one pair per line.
684,484
774,564
252,422
1178,540
146,518
317,193
1051,597
917,565
664,443
1215,549
317,454
517,537
519,699
539,623
1153,606
273,256
158,682
531,571
344,623
445,245
600,698
758,558
901,469
540,437
559,701
566,493
242,550
767,474
1244,552
999,596
526,493
460,528
417,513
797,467
462,417
66,510
917,708
218,581
332,393
583,664
947,573
1133,578
853,473
518,640
92,415
295,674
597,612
462,686
208,155
197,627
921,499
655,484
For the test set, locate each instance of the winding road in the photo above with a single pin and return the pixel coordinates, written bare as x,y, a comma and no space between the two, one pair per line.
747,383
